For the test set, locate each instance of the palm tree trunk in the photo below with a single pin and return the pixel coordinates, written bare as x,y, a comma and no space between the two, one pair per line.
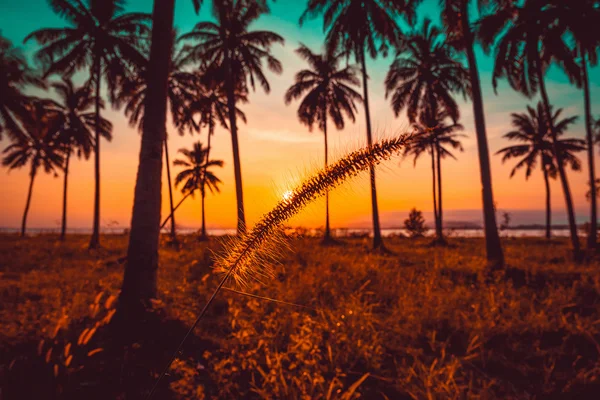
24,222
241,220
202,189
548,208
203,234
439,183
377,240
327,227
494,253
435,209
591,243
63,230
139,282
560,164
95,239
174,209
173,233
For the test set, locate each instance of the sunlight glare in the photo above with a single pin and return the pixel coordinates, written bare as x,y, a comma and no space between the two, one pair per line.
287,195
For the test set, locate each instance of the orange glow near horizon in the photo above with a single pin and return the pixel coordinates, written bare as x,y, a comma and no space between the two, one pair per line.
272,164
277,152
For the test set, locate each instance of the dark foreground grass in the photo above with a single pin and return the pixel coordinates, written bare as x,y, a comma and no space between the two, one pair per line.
421,322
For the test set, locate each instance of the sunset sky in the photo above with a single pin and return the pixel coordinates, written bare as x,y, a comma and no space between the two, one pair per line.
277,151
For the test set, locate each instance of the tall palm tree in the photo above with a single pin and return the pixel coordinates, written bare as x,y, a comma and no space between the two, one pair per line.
77,128
15,76
37,147
102,37
436,137
425,73
527,40
197,175
460,34
363,27
139,280
183,86
531,130
234,54
327,91
580,19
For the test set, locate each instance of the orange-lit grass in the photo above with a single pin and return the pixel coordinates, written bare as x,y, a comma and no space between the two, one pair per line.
422,322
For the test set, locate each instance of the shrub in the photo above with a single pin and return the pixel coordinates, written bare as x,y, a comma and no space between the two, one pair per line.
415,223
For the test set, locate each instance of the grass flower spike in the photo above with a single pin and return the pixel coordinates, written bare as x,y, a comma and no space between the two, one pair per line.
251,255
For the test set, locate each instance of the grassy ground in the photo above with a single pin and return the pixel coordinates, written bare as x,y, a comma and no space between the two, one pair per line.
421,322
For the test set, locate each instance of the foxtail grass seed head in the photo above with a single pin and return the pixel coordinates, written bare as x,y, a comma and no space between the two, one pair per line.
251,255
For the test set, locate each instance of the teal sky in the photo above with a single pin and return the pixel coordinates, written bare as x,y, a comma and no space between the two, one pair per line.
272,126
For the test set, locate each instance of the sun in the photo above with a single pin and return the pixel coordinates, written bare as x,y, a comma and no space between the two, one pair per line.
287,195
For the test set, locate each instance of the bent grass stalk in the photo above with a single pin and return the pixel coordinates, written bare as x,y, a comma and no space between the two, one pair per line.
250,256
175,209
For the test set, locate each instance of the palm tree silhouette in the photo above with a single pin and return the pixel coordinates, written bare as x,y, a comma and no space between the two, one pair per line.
425,74
197,176
105,39
212,108
15,76
434,136
531,130
326,91
234,54
183,86
76,130
460,35
580,19
139,280
360,27
588,194
527,40
37,147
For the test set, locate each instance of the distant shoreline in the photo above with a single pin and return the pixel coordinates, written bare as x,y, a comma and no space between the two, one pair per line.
449,227
458,231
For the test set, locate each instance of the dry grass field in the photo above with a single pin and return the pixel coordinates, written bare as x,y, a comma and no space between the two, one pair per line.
420,322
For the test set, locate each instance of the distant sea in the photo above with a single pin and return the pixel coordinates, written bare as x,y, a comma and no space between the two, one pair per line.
339,232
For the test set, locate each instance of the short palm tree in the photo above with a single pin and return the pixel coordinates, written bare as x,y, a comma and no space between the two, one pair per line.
234,54
327,91
15,76
460,35
527,40
362,27
197,175
77,128
425,73
531,130
210,105
433,135
38,146
102,37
